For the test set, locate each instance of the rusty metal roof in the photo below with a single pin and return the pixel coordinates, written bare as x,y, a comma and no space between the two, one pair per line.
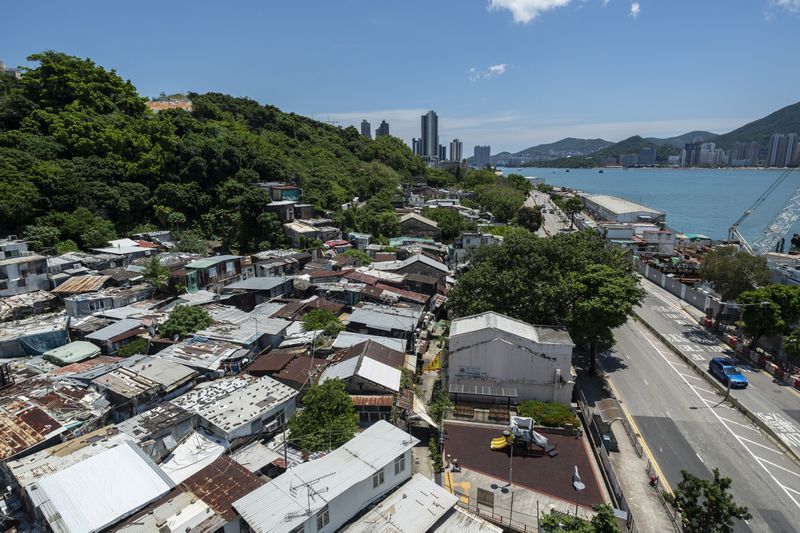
379,400
221,483
80,284
22,425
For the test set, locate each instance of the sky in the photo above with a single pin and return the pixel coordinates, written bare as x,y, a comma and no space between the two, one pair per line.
508,73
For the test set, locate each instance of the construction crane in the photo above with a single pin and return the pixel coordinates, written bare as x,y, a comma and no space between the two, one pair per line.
778,226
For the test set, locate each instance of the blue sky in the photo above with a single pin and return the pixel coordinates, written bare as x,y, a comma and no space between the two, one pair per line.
510,73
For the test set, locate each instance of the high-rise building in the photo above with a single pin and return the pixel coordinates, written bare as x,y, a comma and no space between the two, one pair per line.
430,135
366,129
647,157
416,146
777,144
382,130
481,156
456,150
442,152
692,158
707,153
744,154
791,148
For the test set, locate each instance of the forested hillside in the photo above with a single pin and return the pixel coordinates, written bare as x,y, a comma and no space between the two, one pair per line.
83,160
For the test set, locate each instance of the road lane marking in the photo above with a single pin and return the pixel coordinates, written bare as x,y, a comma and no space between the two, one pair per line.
741,425
693,377
773,450
698,388
645,382
738,439
698,456
778,466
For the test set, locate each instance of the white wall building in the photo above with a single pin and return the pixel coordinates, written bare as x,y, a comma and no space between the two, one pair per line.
614,209
493,355
323,494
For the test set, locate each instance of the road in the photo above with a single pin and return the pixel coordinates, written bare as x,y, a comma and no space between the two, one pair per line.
686,427
776,404
553,219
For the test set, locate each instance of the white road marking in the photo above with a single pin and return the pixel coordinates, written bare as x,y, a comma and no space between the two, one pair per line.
741,425
690,376
700,388
778,466
645,382
739,439
773,450
698,456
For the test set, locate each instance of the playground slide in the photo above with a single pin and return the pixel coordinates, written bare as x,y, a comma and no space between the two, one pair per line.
499,443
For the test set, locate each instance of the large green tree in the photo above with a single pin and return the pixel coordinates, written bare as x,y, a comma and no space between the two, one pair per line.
733,271
327,420
770,310
450,221
322,320
707,506
577,279
184,320
529,218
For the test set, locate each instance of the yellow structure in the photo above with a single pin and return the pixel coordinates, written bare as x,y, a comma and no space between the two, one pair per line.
501,442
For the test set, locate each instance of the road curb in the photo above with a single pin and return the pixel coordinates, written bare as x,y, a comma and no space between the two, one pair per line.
718,386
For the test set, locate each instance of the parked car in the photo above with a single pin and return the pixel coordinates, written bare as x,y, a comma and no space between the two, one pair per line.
725,371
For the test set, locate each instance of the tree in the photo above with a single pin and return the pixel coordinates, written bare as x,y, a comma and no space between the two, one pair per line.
706,506
450,222
733,271
603,521
327,420
770,310
322,319
156,273
529,218
791,347
359,255
572,206
41,238
185,320
136,346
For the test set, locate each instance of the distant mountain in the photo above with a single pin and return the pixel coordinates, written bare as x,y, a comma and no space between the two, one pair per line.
784,120
634,145
564,147
680,140
569,144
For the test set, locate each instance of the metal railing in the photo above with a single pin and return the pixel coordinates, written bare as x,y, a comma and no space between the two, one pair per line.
672,513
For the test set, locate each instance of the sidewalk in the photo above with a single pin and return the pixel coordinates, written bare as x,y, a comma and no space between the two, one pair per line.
642,499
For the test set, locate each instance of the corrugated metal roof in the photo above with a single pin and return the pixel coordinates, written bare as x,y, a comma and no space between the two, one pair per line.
274,507
117,328
221,483
492,320
379,373
461,521
377,400
417,505
258,284
346,339
192,455
211,261
74,352
382,321
90,496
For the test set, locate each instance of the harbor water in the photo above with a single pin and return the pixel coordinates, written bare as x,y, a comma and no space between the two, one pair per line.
705,201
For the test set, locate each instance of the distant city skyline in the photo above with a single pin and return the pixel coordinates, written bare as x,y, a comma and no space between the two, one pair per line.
528,71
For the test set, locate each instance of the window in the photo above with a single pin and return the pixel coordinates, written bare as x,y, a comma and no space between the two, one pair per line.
97,305
323,517
377,479
229,267
3,285
21,282
399,464
212,272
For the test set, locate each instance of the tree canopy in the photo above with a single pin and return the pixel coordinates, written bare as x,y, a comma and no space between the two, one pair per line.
327,420
733,271
84,159
603,521
450,221
324,320
707,506
770,310
184,320
577,280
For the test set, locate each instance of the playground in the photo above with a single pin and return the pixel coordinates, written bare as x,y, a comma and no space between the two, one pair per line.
552,475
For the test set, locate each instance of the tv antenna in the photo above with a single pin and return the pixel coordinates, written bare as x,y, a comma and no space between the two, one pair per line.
311,494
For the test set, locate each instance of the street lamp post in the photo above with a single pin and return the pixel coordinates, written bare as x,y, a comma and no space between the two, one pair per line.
578,485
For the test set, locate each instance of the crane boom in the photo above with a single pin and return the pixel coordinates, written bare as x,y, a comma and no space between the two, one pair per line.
777,228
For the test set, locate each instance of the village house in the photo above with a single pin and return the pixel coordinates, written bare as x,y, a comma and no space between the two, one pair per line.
414,225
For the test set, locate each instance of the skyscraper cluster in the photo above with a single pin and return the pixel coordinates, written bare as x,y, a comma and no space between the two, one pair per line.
783,150
427,145
481,156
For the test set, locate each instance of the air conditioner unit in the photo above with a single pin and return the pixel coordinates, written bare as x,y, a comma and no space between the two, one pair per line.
272,426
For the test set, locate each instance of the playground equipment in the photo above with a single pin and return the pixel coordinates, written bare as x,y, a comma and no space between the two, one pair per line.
522,434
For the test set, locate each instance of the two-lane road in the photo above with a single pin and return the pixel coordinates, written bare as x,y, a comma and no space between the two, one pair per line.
777,405
687,427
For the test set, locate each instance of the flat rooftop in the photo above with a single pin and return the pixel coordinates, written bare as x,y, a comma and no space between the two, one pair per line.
619,205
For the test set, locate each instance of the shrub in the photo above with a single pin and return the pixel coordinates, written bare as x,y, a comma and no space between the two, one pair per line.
136,346
548,413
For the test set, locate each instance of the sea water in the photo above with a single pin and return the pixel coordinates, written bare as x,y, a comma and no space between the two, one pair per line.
705,201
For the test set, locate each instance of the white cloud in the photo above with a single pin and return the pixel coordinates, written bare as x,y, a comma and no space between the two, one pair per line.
635,8
792,6
525,11
493,71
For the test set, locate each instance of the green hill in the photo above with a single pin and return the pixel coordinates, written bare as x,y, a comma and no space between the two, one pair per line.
784,120
633,145
83,159
680,140
568,144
